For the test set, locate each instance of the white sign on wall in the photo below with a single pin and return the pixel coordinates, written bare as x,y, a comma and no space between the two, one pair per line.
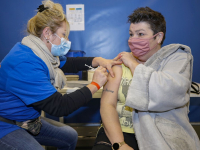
76,17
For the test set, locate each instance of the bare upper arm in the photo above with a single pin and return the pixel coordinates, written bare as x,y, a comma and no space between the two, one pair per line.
110,90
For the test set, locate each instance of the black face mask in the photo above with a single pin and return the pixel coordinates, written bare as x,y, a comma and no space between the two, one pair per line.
195,88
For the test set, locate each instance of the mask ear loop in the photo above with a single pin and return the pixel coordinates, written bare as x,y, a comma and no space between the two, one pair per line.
57,36
152,38
48,41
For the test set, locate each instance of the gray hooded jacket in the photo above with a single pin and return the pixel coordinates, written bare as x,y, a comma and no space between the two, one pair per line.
160,94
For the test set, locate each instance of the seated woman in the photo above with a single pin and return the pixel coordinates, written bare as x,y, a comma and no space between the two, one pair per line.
148,98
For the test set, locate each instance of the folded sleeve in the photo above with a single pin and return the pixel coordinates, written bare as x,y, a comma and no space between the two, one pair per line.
75,64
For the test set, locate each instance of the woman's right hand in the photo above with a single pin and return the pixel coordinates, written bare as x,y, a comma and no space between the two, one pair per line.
100,76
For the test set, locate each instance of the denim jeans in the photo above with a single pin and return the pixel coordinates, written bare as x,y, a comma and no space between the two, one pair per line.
52,133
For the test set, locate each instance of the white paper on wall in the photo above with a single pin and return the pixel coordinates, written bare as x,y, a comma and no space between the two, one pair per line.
76,17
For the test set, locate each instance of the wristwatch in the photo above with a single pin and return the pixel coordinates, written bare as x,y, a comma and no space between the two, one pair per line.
116,146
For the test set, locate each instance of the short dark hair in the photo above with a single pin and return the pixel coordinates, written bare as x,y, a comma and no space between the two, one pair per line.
155,19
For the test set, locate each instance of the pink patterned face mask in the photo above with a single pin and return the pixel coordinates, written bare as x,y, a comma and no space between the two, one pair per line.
140,46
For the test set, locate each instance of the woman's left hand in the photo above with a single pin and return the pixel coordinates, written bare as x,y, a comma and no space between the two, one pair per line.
127,58
106,63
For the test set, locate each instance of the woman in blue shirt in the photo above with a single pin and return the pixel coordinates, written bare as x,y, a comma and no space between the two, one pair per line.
30,75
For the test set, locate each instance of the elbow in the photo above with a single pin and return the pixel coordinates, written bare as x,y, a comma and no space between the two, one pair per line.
106,108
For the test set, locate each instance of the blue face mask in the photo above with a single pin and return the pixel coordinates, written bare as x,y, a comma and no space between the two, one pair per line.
62,49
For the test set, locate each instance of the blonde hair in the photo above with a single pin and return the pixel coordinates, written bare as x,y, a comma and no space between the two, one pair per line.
53,17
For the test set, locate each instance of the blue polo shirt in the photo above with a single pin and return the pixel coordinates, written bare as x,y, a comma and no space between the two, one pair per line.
24,79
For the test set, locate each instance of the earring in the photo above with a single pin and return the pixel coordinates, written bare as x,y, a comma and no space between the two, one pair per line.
47,40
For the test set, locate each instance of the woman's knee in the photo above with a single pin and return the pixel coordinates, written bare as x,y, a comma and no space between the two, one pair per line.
73,134
69,135
61,129
69,138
